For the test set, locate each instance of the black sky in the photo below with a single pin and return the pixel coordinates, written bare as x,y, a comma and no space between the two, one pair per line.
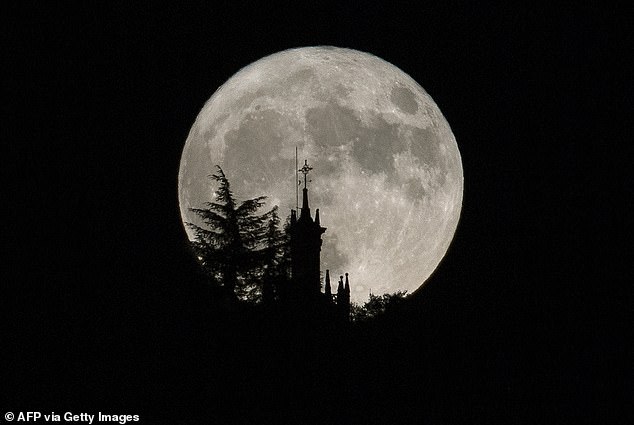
100,102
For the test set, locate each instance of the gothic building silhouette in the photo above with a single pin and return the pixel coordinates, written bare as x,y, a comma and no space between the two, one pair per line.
305,246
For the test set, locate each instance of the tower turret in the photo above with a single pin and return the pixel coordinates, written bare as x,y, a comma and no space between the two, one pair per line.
345,302
306,245
340,291
343,299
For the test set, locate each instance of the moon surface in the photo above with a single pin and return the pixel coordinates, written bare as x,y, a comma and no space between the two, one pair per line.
387,174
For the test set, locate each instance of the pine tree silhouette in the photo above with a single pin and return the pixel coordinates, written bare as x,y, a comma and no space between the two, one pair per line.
276,264
237,243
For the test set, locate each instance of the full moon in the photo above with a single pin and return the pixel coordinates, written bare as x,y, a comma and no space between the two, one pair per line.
387,174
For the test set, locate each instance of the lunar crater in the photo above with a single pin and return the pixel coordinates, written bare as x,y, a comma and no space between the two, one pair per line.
404,100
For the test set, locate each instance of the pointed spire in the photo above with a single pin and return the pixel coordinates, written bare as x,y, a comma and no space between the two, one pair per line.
305,209
317,216
328,288
347,287
340,286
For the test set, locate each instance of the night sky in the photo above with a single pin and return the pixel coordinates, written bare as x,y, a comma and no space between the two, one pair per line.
528,315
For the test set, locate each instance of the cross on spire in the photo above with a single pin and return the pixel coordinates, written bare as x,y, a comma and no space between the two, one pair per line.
305,170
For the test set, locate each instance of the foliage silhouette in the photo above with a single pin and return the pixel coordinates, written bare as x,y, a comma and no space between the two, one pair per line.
276,260
238,248
377,306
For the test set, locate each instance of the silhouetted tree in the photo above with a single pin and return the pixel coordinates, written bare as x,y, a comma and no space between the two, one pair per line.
234,246
276,267
376,306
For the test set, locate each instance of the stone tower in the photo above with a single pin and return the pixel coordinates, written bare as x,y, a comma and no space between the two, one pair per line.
306,246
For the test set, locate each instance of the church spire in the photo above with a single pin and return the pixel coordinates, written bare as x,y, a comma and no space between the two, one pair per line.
306,244
328,288
305,213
